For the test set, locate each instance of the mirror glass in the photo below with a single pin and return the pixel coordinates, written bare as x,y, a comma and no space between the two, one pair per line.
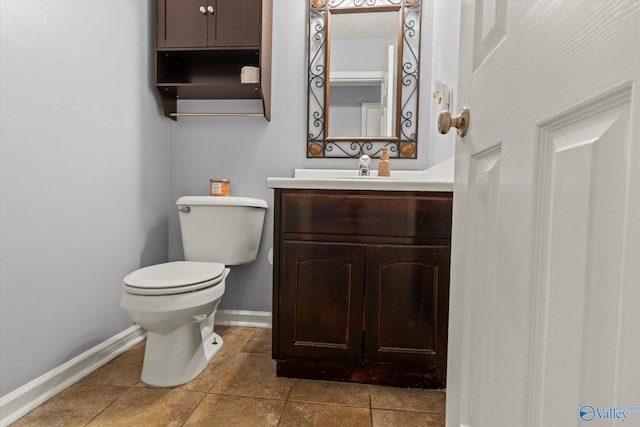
364,58
362,74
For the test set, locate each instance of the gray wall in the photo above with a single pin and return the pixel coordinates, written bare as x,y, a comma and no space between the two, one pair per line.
84,176
444,34
90,169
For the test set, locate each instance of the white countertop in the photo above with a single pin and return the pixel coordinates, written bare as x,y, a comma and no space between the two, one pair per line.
437,178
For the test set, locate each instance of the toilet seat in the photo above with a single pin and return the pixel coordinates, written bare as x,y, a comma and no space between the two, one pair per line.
173,278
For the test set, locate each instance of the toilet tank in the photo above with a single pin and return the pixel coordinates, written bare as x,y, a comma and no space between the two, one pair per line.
221,229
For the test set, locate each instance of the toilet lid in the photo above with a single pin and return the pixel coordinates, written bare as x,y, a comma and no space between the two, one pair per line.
173,277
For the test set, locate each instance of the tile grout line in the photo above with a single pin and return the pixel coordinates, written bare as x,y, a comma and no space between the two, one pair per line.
109,405
286,402
204,395
370,406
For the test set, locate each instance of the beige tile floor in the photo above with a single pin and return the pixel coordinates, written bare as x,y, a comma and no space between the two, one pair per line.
238,388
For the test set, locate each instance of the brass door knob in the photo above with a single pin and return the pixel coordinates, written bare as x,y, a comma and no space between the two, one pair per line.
461,121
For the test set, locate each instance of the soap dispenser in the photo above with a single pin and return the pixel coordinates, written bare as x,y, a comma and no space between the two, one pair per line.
384,168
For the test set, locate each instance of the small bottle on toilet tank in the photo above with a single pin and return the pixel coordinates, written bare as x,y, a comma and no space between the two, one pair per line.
219,187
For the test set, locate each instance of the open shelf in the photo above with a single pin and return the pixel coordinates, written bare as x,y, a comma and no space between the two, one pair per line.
237,35
203,66
205,74
210,90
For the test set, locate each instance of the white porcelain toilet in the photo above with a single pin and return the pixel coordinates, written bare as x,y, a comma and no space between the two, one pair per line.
176,302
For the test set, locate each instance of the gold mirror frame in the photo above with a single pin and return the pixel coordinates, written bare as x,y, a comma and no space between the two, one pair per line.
405,141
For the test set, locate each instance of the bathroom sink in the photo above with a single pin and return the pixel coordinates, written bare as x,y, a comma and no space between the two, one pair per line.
372,177
353,174
437,178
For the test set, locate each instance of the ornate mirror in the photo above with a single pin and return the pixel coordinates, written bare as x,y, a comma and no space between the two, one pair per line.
364,58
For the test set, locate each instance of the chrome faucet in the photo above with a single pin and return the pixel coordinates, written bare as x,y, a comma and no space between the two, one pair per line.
364,165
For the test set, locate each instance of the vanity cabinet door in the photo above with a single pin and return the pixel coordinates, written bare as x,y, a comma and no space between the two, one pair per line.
407,297
320,300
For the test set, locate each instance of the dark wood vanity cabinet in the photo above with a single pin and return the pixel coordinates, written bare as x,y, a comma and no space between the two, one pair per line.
202,46
361,286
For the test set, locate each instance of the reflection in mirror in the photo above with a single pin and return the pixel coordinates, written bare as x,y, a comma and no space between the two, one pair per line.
362,75
364,58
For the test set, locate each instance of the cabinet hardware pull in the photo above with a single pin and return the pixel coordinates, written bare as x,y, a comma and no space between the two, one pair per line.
211,10
203,10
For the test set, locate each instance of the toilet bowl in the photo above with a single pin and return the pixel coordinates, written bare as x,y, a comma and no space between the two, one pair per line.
176,302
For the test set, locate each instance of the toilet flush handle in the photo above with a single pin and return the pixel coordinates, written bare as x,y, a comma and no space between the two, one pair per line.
184,209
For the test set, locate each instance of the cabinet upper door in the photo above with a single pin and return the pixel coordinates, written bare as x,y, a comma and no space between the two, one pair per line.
209,23
235,23
181,23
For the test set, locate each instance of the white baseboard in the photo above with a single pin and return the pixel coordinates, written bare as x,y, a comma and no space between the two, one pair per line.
24,399
253,319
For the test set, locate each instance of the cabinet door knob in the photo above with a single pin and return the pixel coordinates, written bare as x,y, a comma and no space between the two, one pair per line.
203,10
211,10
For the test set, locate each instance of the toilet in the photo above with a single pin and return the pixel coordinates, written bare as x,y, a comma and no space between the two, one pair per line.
176,302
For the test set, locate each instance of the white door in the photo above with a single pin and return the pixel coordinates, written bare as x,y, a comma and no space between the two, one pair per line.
545,284
388,94
371,121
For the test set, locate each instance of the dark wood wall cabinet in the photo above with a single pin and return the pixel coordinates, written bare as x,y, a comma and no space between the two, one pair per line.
361,286
202,46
